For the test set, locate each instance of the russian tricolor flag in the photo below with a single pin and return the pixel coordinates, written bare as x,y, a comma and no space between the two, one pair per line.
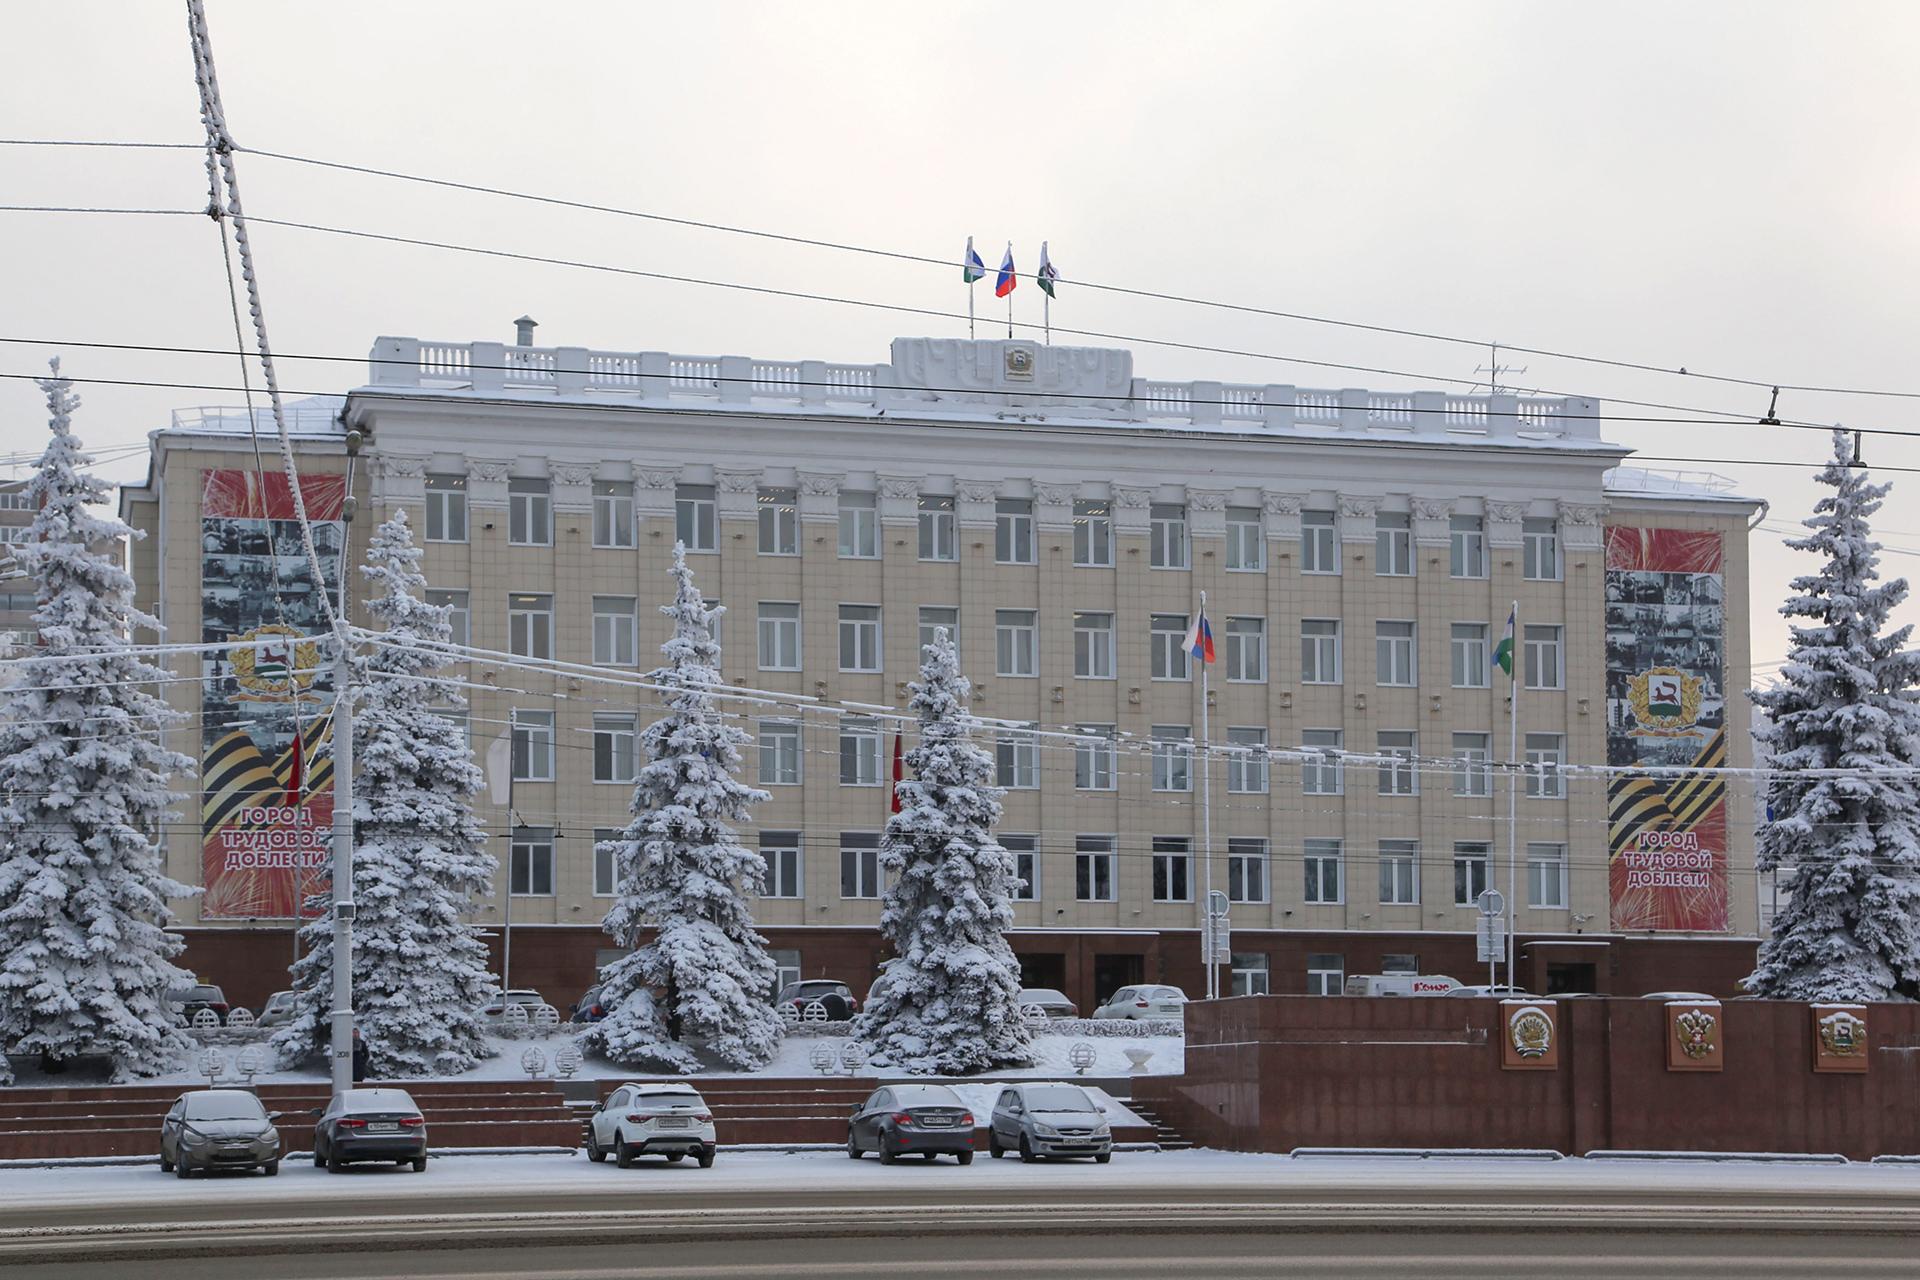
1200,638
1004,285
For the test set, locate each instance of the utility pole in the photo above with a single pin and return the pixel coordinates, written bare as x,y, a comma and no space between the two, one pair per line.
343,909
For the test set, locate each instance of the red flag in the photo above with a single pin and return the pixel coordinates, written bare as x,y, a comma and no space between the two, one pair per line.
899,770
294,775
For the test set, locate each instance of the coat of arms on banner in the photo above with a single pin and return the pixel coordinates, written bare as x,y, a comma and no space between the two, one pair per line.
262,670
1665,703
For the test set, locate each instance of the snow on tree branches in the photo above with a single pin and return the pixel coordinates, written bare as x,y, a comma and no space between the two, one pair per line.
420,861
1850,927
948,1002
703,980
84,952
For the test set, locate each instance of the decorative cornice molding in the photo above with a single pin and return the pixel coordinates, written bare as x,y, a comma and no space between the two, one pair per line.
899,487
1582,513
399,466
1358,506
977,490
570,472
819,484
1055,495
736,481
656,477
1506,512
493,470
1282,504
1208,499
1432,508
1126,495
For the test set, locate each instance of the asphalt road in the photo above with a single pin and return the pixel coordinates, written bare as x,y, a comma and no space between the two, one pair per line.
1189,1215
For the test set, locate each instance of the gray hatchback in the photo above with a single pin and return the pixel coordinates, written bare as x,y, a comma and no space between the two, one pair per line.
1049,1120
218,1129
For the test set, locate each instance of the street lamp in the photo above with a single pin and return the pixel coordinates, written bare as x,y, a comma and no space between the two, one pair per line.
500,773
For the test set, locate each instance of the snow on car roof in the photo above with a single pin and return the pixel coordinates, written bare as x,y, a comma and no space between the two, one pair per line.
665,1088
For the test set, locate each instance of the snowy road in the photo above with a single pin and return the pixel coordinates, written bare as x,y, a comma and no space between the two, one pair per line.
1187,1214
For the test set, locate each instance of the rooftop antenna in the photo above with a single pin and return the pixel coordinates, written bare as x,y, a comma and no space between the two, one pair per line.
1495,370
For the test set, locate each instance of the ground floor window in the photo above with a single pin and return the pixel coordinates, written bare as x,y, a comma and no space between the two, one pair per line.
1326,974
1249,975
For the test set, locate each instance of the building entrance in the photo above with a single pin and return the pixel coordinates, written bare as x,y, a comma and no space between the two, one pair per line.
1112,972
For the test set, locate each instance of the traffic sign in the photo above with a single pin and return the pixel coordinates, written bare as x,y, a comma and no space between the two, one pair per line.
1491,902
1490,937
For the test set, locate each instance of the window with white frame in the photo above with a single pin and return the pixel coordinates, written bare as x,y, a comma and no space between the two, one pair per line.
1399,962
1472,661
1324,776
1013,531
1473,764
615,632
1546,754
1172,869
859,753
531,872
530,626
1093,757
1246,869
1323,879
529,512
695,516
459,616
1247,649
1326,973
779,511
16,499
938,541
1319,543
1399,873
1247,759
446,508
1246,541
859,526
1546,875
1016,642
1026,865
859,864
1467,546
1543,669
613,513
1394,653
1540,549
616,738
779,636
1016,759
1168,658
1093,533
606,861
1393,544
935,617
1093,646
779,753
859,637
1167,536
532,745
780,850
786,966
1398,776
1172,757
1469,871
1248,974
1093,870
1319,651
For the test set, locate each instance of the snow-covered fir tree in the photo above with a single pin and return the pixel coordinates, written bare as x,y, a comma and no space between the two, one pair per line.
85,959
697,978
420,861
1849,928
950,999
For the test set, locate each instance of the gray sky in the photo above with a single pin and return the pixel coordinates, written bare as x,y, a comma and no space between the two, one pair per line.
1728,187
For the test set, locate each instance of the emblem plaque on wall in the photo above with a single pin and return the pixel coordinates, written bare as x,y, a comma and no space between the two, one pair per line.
1694,1041
1531,1039
1839,1037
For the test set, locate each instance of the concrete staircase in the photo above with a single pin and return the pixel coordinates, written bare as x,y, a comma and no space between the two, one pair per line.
1165,1134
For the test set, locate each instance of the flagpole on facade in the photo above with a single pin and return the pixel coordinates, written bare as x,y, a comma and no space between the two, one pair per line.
1513,791
1206,824
1046,317
969,312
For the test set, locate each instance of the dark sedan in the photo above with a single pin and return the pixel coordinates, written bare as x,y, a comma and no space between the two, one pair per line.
218,1129
904,1119
362,1125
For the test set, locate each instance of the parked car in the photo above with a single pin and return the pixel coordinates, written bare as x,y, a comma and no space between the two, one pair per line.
519,995
278,1011
1049,1120
901,1119
218,1129
1680,995
1398,984
1055,1003
1143,1003
668,1120
191,1000
1493,990
370,1124
835,997
588,1007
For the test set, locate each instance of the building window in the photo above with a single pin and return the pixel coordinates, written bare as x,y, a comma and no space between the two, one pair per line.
1093,533
531,875
859,864
1319,546
1540,537
859,526
1093,646
1249,974
1246,869
935,617
1399,873
1322,859
937,538
1026,866
606,861
1546,753
1325,776
530,626
1319,651
1546,875
859,753
859,637
529,513
1016,758
1398,775
779,636
1013,531
615,739
1247,760
779,753
1246,543
779,522
1093,878
1016,642
615,632
1326,974
1394,653
1167,536
446,508
1172,757
781,852
1543,657
532,745
694,516
612,513
1247,649
1473,764
1172,862
1393,544
1467,542
1093,757
1169,659
1399,962
1472,663
1469,871
459,617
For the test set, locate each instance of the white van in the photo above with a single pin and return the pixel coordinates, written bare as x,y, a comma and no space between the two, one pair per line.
1399,984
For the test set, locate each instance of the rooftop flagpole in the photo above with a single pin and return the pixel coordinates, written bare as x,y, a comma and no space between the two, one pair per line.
971,269
1046,277
1004,286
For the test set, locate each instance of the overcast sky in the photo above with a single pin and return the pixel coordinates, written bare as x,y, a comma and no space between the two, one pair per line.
1725,187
